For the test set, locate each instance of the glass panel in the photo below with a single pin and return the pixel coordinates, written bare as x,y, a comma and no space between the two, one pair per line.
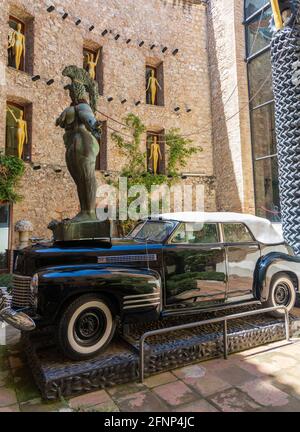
236,233
267,189
4,235
263,131
196,233
153,231
260,79
251,6
16,132
258,32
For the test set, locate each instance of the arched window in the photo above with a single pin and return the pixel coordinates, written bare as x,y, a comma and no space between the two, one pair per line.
258,37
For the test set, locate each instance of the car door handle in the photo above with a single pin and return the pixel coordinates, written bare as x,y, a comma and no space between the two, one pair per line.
216,248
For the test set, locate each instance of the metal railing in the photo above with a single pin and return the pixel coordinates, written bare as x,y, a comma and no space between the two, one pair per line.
223,319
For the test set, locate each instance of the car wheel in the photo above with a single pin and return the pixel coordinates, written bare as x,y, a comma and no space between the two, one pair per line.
282,293
86,327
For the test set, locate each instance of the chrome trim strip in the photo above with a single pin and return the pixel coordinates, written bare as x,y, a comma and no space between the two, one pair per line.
141,300
112,259
239,298
17,276
142,305
139,295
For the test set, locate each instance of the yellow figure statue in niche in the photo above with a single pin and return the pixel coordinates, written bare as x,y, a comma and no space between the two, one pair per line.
155,154
92,64
152,86
16,41
22,135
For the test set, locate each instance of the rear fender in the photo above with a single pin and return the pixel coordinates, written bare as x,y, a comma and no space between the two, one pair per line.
271,264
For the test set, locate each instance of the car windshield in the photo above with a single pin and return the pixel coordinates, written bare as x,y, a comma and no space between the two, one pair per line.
152,231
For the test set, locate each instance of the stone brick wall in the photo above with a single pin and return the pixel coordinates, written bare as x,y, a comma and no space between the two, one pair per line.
180,24
231,138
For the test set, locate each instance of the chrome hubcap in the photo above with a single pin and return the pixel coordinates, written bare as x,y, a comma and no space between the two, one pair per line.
89,327
282,294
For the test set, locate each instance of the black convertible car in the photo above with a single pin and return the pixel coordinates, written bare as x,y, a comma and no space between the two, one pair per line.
170,264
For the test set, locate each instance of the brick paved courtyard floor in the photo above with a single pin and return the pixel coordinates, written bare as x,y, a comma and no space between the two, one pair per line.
262,379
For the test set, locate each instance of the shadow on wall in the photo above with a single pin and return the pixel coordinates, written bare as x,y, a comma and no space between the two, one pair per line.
227,195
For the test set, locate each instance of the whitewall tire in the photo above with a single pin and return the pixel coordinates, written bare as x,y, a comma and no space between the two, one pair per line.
86,327
282,293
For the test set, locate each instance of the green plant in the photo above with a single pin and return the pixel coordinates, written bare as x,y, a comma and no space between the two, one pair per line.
131,149
179,149
5,278
11,171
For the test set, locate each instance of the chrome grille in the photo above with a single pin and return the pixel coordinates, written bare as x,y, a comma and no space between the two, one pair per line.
21,295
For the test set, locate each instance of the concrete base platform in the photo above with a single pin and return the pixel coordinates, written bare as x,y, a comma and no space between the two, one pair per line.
56,376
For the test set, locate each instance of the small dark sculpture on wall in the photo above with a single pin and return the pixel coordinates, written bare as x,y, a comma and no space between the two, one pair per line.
81,138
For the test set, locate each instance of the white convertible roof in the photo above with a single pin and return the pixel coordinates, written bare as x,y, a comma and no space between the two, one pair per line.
263,230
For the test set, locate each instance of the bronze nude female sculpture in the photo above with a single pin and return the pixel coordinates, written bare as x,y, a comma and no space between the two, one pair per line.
81,138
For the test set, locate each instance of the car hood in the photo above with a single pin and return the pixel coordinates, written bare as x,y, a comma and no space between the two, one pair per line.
43,255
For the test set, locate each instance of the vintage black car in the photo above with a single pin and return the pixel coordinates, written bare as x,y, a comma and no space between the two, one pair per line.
172,264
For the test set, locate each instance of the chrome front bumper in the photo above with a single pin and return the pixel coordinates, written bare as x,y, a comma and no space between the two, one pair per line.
17,319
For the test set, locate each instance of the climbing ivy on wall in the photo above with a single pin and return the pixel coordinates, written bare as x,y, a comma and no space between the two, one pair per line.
178,149
11,171
132,149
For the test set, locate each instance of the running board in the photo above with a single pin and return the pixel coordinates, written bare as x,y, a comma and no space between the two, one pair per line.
167,313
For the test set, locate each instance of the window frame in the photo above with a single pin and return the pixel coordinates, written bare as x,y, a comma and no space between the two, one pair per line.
10,240
99,67
249,18
28,118
154,221
160,94
253,240
102,157
271,130
182,224
252,106
24,29
162,142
